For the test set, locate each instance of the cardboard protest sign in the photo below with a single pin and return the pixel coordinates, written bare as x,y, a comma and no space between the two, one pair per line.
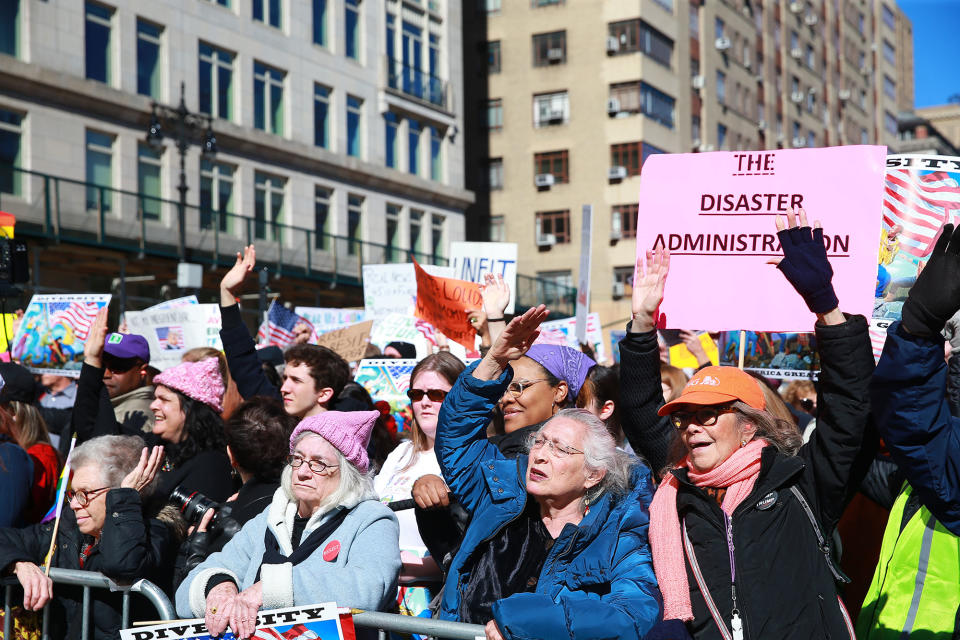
349,343
388,379
171,332
720,230
444,302
583,277
921,194
563,331
326,319
616,335
787,356
471,261
680,355
314,622
53,331
392,288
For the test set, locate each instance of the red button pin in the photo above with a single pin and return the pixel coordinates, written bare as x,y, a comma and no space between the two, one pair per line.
331,551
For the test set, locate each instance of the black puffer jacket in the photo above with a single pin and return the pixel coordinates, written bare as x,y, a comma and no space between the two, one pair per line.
785,586
131,547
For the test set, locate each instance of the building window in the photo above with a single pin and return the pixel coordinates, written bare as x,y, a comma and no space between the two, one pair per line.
354,113
10,27
890,123
888,17
216,82
811,139
268,206
11,128
695,21
99,170
222,3
695,128
549,48
811,58
354,216
321,217
721,136
392,253
889,53
320,22
495,173
489,6
493,57
551,108
268,98
216,195
626,155
416,232
437,224
639,97
495,114
721,87
392,138
864,137
268,12
148,59
623,220
624,276
352,26
794,40
436,154
148,182
637,35
889,87
555,287
413,146
497,231
97,42
555,223
718,28
321,116
665,4
556,163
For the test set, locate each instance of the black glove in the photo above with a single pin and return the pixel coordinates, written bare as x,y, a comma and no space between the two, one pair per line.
935,297
806,267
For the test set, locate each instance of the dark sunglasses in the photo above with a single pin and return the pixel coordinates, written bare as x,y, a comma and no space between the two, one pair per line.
435,395
705,417
120,365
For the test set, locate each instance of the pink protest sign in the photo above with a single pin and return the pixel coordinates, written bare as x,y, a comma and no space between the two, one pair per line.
715,213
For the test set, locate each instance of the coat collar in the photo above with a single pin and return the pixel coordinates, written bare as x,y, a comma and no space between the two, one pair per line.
776,470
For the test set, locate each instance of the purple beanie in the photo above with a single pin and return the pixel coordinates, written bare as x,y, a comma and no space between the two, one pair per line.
566,363
198,380
347,431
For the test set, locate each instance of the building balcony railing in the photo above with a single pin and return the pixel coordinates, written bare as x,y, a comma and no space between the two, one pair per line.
417,84
72,211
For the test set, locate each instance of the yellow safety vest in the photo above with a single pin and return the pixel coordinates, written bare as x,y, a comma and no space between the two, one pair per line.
916,587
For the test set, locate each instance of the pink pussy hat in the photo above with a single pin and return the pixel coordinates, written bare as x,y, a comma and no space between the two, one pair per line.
347,431
198,380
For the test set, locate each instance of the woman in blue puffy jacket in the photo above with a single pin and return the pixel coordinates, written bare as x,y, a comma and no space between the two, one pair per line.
557,541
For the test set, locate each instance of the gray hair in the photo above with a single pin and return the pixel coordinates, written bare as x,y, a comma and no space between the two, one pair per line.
600,453
114,457
355,486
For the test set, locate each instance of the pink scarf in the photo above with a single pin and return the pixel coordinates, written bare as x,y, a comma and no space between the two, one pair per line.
738,473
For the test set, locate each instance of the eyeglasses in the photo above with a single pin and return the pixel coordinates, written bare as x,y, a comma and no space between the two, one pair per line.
557,449
435,395
705,417
317,466
84,496
517,387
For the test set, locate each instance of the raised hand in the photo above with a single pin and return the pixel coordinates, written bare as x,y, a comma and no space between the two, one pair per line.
935,296
512,343
146,469
805,264
233,279
648,286
496,295
96,337
302,333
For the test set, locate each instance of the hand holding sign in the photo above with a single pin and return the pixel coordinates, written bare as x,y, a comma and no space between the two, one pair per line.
648,286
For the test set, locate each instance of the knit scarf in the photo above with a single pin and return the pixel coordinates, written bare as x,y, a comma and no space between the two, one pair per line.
737,474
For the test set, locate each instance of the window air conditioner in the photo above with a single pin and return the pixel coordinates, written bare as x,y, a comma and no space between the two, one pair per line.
613,45
546,240
616,173
762,125
555,55
799,142
613,106
697,82
796,96
810,19
617,290
554,116
796,7
706,147
543,180
843,95
796,53
722,44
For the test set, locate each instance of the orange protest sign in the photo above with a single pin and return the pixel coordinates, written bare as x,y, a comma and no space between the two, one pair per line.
443,302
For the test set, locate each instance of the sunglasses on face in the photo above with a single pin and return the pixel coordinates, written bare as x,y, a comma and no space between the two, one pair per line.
119,365
435,395
517,387
704,416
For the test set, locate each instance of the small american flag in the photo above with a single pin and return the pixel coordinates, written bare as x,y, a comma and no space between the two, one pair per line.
79,316
921,204
278,329
427,331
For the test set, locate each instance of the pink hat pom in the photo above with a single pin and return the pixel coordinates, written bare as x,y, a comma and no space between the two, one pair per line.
347,431
198,380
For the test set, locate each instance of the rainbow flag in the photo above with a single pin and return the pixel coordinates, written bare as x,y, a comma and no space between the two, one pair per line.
63,484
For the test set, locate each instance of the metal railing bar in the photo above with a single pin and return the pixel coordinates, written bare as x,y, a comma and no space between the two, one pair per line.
422,626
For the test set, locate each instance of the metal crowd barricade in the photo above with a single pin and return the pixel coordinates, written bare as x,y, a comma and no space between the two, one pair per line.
91,580
387,622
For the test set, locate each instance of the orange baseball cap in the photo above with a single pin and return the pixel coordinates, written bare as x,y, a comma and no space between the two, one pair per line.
718,385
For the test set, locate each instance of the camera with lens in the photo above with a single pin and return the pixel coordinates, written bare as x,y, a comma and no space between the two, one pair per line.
193,504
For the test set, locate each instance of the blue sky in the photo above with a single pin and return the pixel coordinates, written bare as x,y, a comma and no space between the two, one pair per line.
936,25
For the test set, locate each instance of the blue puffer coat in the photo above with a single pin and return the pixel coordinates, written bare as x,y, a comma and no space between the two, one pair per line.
597,581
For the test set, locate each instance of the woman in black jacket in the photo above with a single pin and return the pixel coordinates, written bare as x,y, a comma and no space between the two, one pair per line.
739,526
104,529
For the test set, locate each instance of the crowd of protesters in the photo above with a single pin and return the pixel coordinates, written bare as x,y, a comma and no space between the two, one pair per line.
535,492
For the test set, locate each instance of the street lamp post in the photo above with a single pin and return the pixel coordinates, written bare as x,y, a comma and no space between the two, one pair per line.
184,128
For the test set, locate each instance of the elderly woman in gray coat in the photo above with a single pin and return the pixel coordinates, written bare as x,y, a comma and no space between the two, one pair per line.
324,537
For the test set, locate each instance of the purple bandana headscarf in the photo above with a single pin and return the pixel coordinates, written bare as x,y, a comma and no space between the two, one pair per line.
568,364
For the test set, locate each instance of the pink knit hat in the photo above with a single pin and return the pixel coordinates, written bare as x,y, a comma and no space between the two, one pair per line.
347,431
198,380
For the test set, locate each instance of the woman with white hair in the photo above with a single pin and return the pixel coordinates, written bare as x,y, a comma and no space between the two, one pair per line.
324,537
112,475
557,541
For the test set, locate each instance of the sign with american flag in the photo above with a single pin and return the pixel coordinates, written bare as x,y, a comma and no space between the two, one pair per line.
278,330
921,194
54,327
